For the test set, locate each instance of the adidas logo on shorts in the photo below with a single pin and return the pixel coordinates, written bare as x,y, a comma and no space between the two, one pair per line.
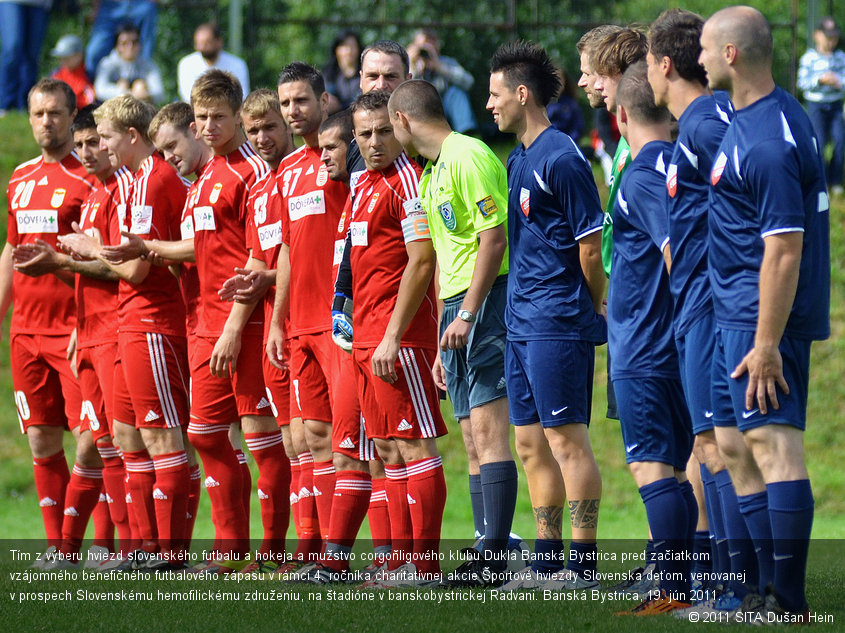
46,502
211,482
262,494
158,494
502,384
347,443
411,500
71,512
151,416
263,403
404,425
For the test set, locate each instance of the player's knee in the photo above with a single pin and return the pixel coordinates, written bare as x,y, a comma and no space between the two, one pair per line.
44,441
344,462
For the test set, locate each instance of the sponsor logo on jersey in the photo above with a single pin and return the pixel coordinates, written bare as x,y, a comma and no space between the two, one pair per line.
358,231
413,207
339,245
187,228
270,235
43,181
58,198
37,221
373,202
404,425
525,201
204,219
71,512
718,168
448,215
211,482
311,203
322,176
486,206
158,494
623,158
215,192
672,180
310,170
142,218
347,443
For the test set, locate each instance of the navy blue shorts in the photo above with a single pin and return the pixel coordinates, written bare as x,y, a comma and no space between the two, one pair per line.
729,393
655,421
695,356
475,375
550,382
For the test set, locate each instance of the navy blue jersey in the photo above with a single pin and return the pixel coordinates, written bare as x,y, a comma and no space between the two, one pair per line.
768,179
639,303
700,131
552,203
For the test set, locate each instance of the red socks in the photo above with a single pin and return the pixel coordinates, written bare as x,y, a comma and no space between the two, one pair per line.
83,493
170,495
401,530
114,477
246,483
273,489
103,525
51,479
310,542
194,490
349,507
324,478
379,517
140,480
426,500
295,472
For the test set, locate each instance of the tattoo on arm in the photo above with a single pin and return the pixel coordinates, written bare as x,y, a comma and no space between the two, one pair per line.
549,520
584,513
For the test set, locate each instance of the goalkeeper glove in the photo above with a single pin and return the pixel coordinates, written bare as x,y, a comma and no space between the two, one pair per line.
342,321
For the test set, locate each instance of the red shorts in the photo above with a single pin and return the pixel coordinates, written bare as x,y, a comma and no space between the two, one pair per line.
46,392
95,366
311,375
277,383
349,436
409,409
223,400
151,381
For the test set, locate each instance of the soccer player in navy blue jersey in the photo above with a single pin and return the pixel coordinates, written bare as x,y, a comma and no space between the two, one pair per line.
770,272
656,426
680,83
553,314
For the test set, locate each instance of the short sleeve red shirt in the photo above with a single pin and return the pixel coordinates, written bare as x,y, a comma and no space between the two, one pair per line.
386,215
155,207
189,280
44,199
96,299
311,208
220,232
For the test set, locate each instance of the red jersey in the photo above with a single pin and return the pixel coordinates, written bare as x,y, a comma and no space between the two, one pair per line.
156,200
264,232
79,82
311,208
386,215
189,280
96,299
44,198
220,232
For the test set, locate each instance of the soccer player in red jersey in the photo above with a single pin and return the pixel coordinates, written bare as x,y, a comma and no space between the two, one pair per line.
395,319
311,208
96,349
45,195
150,387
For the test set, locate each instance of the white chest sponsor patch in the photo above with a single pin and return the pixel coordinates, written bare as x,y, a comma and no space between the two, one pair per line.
46,221
270,235
338,252
313,203
204,219
359,233
187,228
142,218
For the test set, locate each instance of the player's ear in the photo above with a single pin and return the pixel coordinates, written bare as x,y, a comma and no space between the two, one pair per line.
730,53
324,101
523,94
192,126
666,65
621,114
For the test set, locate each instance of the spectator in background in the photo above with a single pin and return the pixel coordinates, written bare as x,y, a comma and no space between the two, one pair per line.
565,113
342,72
821,76
124,71
23,26
109,17
208,53
70,52
452,81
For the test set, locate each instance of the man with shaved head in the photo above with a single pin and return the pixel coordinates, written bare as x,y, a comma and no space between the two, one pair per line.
770,272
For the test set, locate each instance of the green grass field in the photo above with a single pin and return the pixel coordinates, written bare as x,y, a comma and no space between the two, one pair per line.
622,517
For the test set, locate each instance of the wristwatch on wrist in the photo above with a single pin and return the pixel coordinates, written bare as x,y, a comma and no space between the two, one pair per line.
466,315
